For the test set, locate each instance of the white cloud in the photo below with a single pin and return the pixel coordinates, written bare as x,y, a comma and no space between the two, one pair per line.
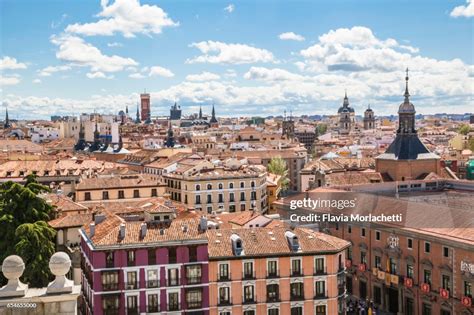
36,81
46,72
9,80
137,75
465,11
219,52
114,44
127,17
203,76
98,75
161,72
230,8
291,36
76,51
9,63
276,74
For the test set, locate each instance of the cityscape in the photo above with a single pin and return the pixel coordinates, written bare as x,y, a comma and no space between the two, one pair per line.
254,158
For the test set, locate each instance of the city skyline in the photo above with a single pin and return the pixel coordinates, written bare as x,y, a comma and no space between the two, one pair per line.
248,59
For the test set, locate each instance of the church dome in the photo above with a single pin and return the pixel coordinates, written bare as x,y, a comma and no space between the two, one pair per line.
406,107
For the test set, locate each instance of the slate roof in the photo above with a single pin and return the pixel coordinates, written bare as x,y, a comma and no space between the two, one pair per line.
407,147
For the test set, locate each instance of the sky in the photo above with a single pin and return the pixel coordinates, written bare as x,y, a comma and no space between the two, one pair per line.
249,58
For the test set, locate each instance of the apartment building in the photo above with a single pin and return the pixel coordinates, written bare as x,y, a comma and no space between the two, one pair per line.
155,266
275,271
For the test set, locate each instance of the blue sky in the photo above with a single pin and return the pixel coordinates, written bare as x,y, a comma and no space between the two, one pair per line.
247,57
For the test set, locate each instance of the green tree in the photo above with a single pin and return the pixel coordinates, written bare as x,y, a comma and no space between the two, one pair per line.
464,129
471,144
278,166
22,211
321,129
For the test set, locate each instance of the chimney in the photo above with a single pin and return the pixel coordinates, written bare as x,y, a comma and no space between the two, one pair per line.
203,223
98,218
122,231
91,229
143,230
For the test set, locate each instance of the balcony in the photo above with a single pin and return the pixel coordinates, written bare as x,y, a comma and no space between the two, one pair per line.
320,272
173,282
341,289
320,296
112,311
273,274
193,280
249,301
110,286
297,272
152,284
297,297
273,298
172,307
248,275
131,285
152,308
194,305
227,302
133,311
223,277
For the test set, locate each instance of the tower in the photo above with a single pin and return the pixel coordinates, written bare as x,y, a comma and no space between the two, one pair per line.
145,107
200,112
346,116
81,143
6,123
369,119
213,120
288,127
137,120
96,143
407,158
175,112
170,137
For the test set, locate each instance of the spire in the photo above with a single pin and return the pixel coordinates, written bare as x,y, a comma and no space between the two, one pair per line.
200,112
137,120
213,115
6,124
346,99
170,137
407,95
126,110
96,131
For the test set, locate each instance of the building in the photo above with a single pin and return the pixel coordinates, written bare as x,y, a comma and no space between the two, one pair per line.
175,112
275,271
157,265
115,187
232,187
369,119
407,157
422,265
145,107
346,117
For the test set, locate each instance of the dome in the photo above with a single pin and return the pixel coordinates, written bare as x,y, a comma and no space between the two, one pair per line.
121,113
406,107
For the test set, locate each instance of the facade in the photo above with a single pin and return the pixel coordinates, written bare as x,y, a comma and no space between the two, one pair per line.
155,266
297,272
175,112
369,119
346,117
145,107
407,157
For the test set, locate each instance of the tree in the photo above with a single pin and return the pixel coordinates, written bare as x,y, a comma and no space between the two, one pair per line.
21,212
278,166
471,144
321,129
464,129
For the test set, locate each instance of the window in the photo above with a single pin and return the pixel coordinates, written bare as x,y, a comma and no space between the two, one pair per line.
363,289
224,272
377,295
173,277
121,194
152,305
110,280
249,312
320,289
378,262
409,306
296,267
192,253
297,310
427,276
296,291
272,268
105,195
410,243
410,271
349,229
231,185
426,309
242,207
467,289
242,184
130,258
377,235
248,270
209,186
427,247
273,293
362,232
198,199
273,311
224,295
248,293
111,303
136,193
194,298
152,278
321,310
221,198
231,197
132,304
393,265
173,301
132,282
87,196
198,187
445,251
363,257
154,192
319,266
109,259
232,208
209,198
446,282
242,196
193,274
349,285
152,256
220,186
253,195
349,253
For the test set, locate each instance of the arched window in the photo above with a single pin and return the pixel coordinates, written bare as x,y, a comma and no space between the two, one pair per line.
231,185
198,187
209,186
220,185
